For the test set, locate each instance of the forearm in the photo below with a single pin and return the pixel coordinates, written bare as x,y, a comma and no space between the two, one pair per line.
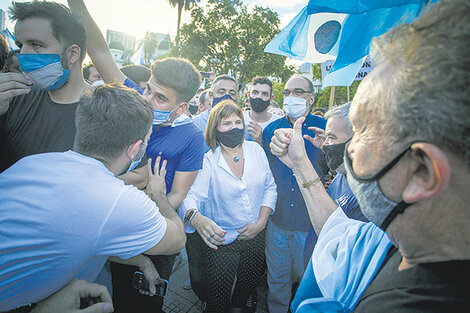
318,201
166,209
175,199
264,214
139,260
4,107
138,177
97,47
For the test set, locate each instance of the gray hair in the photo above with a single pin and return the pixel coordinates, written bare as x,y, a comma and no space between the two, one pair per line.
343,112
426,96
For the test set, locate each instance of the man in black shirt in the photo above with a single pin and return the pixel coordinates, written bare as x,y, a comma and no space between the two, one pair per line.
408,164
37,107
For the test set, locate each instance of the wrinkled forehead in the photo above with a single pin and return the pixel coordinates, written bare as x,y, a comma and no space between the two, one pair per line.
369,107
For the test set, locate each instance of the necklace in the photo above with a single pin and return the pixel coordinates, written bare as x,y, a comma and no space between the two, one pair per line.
236,159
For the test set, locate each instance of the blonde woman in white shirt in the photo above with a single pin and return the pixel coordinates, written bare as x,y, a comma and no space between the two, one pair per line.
228,205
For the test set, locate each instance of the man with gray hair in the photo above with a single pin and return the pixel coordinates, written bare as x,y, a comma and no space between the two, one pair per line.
408,164
332,141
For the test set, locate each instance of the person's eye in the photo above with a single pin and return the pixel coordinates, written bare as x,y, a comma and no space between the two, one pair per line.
255,92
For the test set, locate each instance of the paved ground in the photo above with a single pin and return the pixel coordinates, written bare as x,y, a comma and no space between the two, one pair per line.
179,300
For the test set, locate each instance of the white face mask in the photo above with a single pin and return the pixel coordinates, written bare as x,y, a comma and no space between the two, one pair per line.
295,107
99,82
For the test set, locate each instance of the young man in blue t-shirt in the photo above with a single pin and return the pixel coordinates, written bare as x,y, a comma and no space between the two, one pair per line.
174,136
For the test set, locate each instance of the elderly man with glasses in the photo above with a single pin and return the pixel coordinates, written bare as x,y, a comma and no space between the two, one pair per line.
289,225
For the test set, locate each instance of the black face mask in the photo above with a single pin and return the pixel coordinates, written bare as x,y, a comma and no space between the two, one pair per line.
334,155
231,138
258,104
193,109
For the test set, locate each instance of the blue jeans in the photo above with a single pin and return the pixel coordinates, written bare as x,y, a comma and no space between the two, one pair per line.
285,260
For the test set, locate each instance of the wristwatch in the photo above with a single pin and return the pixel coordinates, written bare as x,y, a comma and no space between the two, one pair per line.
190,215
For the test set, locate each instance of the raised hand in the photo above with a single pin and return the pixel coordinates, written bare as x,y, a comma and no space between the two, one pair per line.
288,144
319,138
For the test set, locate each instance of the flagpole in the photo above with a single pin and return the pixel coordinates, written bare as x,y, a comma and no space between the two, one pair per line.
348,94
332,96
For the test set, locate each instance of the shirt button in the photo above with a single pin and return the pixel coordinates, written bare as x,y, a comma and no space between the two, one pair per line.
292,189
291,205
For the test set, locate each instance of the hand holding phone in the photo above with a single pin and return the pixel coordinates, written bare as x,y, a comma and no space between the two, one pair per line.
140,283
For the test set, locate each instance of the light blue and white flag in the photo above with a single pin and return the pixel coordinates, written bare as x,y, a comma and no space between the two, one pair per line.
138,56
10,39
341,30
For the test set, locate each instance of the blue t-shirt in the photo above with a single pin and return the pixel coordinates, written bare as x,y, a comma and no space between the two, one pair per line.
182,146
340,192
291,212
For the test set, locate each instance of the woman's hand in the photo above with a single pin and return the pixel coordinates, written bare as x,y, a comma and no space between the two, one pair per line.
210,232
251,230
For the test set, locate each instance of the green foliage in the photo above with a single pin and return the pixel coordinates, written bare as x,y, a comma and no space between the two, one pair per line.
225,36
322,99
181,4
277,93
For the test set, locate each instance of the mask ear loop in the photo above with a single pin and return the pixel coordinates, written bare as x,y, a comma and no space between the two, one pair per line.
380,173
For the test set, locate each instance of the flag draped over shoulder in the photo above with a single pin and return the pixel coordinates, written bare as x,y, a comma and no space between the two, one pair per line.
341,30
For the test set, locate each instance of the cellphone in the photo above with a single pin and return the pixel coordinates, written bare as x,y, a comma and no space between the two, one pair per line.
140,283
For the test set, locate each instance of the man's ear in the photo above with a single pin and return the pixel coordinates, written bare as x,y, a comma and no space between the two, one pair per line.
73,53
311,99
248,93
182,108
133,150
430,173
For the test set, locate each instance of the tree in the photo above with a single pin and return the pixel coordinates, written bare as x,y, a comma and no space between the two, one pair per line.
224,35
181,4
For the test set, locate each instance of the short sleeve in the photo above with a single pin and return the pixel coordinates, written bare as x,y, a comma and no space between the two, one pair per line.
193,155
131,84
134,226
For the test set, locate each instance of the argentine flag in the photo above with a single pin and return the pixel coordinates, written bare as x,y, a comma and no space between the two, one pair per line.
10,39
341,30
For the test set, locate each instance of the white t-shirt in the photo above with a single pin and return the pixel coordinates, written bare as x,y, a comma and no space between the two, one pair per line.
246,116
61,216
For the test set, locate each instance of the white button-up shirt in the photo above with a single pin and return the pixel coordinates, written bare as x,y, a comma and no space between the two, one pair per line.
230,202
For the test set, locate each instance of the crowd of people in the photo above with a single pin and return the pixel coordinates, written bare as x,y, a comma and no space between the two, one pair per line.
106,171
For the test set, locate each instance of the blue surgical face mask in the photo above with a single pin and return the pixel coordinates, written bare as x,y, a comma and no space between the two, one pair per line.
160,117
215,100
45,71
135,163
373,203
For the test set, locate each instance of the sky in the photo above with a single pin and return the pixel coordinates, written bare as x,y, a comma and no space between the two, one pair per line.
136,17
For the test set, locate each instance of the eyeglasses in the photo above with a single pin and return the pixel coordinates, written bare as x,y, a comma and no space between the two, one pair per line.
296,92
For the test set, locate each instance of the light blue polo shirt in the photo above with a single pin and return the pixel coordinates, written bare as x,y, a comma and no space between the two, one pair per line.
61,216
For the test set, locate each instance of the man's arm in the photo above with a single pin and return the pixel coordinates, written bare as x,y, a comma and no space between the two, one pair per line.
145,265
137,177
288,145
97,48
182,182
175,237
